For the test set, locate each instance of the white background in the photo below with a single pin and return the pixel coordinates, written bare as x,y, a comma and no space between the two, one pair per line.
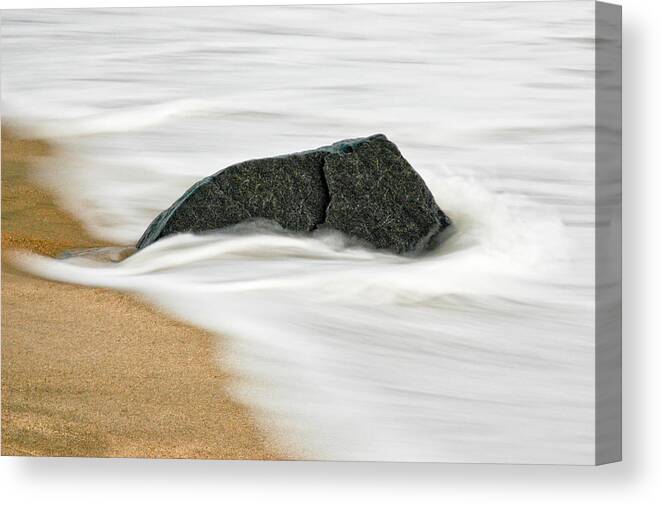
636,480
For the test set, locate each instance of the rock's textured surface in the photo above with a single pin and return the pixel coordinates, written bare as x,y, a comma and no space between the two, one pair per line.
289,190
376,195
362,187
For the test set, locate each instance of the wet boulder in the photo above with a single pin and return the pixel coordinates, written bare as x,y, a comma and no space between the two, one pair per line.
363,187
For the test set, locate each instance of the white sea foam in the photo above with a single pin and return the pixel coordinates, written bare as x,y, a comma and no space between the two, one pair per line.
479,351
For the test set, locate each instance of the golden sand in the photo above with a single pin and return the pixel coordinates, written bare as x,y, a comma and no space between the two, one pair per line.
94,372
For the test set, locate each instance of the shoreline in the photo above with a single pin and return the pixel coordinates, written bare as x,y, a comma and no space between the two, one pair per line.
128,380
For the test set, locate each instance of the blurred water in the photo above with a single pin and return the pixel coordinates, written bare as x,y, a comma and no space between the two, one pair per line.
483,351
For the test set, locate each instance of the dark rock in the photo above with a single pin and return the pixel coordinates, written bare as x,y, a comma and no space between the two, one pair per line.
362,187
289,190
377,196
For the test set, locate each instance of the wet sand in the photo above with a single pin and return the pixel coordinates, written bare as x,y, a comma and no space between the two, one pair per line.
94,372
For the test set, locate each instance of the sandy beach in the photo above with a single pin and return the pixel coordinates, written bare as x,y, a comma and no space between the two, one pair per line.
93,372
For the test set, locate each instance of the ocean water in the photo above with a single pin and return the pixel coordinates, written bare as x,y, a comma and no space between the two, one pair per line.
482,351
